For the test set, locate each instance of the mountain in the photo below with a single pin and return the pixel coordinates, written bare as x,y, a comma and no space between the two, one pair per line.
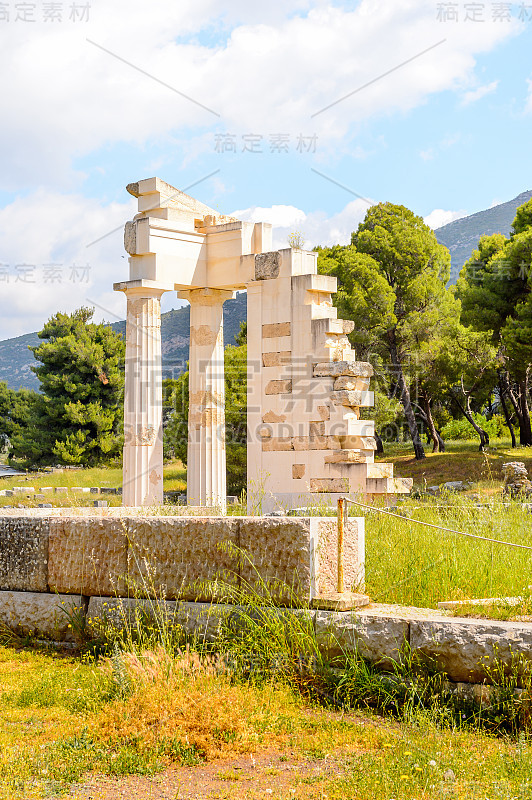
462,235
16,360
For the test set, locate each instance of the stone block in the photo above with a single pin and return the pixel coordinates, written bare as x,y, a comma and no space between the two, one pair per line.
80,489
88,555
351,384
352,442
279,555
335,369
179,556
341,326
61,489
40,613
317,429
278,387
325,544
462,646
271,416
94,490
276,359
275,329
300,443
375,638
352,399
46,489
24,553
329,485
346,457
267,266
202,620
276,443
298,471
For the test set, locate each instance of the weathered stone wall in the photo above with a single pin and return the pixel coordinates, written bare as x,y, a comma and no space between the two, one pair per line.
175,557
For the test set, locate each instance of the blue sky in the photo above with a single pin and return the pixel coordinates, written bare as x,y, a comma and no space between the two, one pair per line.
447,133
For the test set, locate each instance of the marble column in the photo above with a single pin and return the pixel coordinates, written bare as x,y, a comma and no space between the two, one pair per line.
206,466
143,405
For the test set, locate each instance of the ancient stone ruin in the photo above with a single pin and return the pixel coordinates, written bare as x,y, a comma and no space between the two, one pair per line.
516,481
306,441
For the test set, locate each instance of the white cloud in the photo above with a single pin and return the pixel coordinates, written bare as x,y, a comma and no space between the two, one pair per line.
46,229
477,94
317,228
439,217
267,70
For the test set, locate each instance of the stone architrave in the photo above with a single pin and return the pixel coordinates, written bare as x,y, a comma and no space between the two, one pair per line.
206,468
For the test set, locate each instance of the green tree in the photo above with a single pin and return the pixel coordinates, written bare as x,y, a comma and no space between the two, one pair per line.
495,288
76,419
391,283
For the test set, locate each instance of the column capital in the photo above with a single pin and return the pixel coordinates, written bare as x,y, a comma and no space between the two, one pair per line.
206,297
142,288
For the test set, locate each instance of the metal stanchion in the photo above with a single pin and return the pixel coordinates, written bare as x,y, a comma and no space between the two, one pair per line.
341,600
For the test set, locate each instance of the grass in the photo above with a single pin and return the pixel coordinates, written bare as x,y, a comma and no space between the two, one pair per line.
140,712
111,477
462,461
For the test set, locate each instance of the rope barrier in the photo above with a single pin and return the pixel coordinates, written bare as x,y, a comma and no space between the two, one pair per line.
437,527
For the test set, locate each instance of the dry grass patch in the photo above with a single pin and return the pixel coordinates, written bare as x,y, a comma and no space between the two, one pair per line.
190,702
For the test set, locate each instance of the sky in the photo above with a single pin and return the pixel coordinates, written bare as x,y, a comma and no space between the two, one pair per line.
298,113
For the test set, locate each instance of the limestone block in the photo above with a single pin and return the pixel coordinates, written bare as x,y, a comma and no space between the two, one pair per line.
24,553
335,369
351,384
279,552
329,485
61,489
275,329
300,443
355,399
344,326
321,413
346,457
298,471
325,539
177,556
267,266
357,442
23,489
40,613
461,646
88,555
271,416
276,359
375,638
317,429
276,443
278,387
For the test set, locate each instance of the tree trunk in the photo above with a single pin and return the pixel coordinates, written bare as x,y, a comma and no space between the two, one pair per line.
436,438
525,431
380,446
405,397
502,391
466,411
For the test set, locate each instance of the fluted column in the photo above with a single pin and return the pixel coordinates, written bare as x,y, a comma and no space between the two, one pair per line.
143,405
206,467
